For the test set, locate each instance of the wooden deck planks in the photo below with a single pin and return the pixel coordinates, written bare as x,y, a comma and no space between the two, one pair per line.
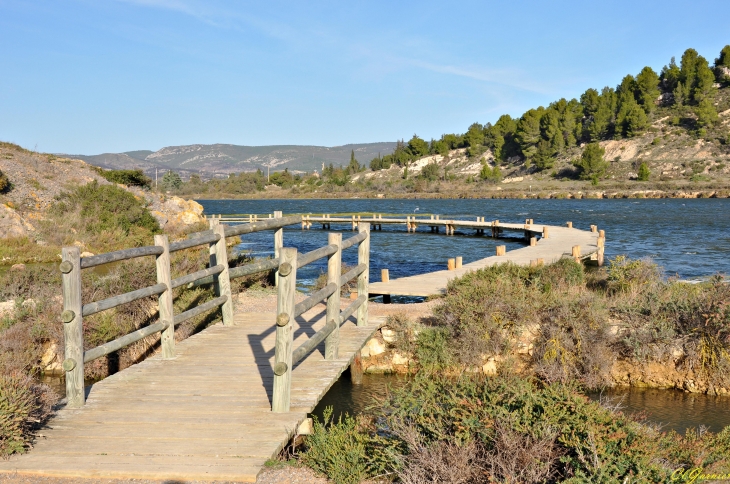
557,245
204,415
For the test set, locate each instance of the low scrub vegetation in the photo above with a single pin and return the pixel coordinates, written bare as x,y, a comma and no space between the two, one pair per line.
25,406
475,428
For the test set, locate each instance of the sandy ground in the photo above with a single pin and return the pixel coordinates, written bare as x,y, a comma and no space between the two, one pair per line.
251,301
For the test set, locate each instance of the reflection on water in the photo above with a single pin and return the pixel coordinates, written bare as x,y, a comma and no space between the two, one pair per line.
674,410
344,397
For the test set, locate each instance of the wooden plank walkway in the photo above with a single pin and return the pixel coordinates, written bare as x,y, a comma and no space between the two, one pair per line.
558,244
205,415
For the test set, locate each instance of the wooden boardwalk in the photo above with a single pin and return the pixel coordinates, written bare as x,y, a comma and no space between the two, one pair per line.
559,244
205,415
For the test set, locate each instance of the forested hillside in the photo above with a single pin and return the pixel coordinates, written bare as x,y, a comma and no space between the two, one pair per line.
665,131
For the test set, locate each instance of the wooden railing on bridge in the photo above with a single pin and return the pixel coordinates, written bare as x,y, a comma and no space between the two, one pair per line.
219,274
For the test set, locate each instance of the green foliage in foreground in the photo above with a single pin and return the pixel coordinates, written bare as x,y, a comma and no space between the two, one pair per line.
591,165
505,429
4,182
24,406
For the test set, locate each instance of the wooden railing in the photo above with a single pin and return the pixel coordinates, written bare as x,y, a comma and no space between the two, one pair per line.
218,273
286,310
286,263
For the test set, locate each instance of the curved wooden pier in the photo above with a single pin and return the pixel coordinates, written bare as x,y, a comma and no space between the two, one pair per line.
561,242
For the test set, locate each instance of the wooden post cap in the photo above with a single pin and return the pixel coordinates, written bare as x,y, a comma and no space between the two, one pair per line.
69,364
602,233
285,269
533,241
459,262
280,368
282,319
569,225
65,267
384,275
451,264
67,316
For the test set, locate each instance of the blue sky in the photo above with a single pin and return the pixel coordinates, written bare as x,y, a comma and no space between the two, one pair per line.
92,76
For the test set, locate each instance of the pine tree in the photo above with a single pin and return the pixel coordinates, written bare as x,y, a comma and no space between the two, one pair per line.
644,172
647,86
528,134
171,181
706,113
591,165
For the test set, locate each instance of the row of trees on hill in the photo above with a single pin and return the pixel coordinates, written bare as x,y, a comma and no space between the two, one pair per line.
541,134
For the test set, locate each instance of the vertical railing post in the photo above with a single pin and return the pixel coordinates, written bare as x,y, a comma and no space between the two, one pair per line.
334,272
281,397
73,327
278,244
222,281
164,300
363,280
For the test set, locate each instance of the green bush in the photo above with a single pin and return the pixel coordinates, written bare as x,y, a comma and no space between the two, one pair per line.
96,208
4,182
135,178
347,451
473,428
24,406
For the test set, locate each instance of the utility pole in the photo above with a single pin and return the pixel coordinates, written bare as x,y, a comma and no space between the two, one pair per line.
155,177
268,173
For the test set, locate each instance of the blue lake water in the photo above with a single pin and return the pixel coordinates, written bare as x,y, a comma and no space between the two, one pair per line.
690,238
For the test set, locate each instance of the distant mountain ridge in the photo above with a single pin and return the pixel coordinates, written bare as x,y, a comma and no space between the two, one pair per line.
222,159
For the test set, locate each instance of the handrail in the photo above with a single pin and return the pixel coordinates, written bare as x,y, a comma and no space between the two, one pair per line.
272,223
350,310
194,240
309,257
248,269
122,341
240,271
285,357
191,313
315,298
97,260
285,263
127,297
352,273
308,346
195,276
346,244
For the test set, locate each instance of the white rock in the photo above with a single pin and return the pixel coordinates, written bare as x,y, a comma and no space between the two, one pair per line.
375,347
490,367
7,307
87,254
388,335
399,359
365,352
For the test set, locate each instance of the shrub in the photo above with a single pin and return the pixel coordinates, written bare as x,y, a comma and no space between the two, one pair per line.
135,178
4,182
24,406
94,209
526,432
644,172
347,451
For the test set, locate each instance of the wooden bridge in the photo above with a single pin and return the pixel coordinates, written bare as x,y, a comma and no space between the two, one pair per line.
219,404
